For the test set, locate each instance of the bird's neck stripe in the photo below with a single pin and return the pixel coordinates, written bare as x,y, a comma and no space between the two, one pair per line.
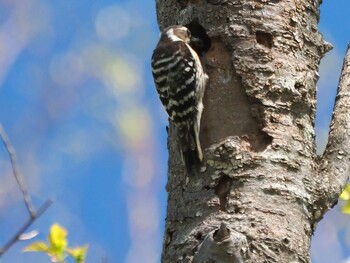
172,36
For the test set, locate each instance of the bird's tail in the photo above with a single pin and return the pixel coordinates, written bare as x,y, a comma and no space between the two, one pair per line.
191,160
190,147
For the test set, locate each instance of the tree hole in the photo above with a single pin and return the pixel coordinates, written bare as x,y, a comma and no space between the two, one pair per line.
222,190
264,39
200,41
199,236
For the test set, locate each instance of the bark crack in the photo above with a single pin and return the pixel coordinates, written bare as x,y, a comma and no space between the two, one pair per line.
222,190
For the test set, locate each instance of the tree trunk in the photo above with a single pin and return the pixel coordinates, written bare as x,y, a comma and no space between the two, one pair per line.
261,189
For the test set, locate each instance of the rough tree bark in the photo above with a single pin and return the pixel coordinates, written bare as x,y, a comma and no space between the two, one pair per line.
261,189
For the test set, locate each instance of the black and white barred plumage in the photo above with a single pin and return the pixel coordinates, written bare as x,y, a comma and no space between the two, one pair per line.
180,82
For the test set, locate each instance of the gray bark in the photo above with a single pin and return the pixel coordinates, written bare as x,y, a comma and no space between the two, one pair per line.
261,188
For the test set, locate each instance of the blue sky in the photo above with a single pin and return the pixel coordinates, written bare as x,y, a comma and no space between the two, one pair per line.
78,102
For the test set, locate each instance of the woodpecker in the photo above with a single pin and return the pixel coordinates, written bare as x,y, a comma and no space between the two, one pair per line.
180,82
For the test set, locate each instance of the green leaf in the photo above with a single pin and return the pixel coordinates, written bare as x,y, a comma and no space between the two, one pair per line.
78,253
346,208
57,237
57,248
345,195
36,247
58,241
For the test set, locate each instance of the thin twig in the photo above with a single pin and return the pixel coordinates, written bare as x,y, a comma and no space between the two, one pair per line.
12,154
32,214
27,224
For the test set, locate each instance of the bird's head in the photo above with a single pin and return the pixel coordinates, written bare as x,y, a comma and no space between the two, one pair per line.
177,33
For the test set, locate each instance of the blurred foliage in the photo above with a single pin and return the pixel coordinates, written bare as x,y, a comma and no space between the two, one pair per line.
78,101
57,247
345,195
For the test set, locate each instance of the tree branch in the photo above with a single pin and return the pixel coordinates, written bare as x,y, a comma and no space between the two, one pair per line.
334,169
12,154
26,197
25,226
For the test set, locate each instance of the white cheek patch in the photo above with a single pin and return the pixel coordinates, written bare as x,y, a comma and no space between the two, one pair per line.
172,36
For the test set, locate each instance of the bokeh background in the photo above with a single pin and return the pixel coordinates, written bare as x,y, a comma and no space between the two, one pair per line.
78,102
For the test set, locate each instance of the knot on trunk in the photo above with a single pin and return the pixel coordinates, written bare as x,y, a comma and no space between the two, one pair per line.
222,245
